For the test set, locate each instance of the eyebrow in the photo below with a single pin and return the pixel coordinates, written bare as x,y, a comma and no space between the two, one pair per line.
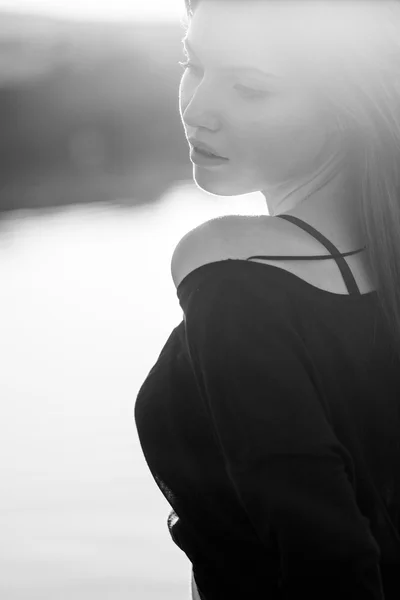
188,47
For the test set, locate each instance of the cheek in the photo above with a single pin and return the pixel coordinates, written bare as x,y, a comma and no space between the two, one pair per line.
288,133
285,130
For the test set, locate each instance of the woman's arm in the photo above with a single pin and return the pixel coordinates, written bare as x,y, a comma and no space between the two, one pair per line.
195,593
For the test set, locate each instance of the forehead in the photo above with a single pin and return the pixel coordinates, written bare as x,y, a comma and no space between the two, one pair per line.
288,36
218,15
243,32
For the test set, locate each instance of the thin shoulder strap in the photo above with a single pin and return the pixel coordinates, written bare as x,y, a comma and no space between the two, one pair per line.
334,253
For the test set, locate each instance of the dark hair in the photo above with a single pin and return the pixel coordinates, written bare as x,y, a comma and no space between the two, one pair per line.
360,82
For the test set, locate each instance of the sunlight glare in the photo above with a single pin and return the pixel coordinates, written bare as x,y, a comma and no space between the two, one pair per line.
104,10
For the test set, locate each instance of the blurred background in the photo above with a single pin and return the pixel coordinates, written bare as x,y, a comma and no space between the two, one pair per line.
96,191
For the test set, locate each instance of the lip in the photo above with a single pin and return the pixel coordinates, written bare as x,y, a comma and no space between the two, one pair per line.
206,161
202,146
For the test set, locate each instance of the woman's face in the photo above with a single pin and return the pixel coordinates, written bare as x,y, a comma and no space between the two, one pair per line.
269,126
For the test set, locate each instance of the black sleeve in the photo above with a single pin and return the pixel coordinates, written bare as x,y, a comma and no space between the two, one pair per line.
290,473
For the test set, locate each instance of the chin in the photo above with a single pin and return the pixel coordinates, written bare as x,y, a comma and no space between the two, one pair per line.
210,183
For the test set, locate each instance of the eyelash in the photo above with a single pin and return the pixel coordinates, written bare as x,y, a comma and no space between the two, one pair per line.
187,65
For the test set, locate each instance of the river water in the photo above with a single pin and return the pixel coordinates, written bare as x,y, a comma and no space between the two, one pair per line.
86,304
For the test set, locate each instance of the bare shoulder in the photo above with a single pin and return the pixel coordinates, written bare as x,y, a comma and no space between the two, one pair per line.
244,237
218,239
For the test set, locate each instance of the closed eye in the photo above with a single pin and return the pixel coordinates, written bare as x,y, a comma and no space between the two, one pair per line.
187,65
257,93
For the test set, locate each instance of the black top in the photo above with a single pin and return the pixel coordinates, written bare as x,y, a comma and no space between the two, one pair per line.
271,423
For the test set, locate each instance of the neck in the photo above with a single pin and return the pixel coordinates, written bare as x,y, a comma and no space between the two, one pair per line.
332,210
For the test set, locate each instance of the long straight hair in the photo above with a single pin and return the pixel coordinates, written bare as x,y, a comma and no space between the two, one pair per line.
350,50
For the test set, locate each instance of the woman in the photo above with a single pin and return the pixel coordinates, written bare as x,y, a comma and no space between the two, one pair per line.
271,418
